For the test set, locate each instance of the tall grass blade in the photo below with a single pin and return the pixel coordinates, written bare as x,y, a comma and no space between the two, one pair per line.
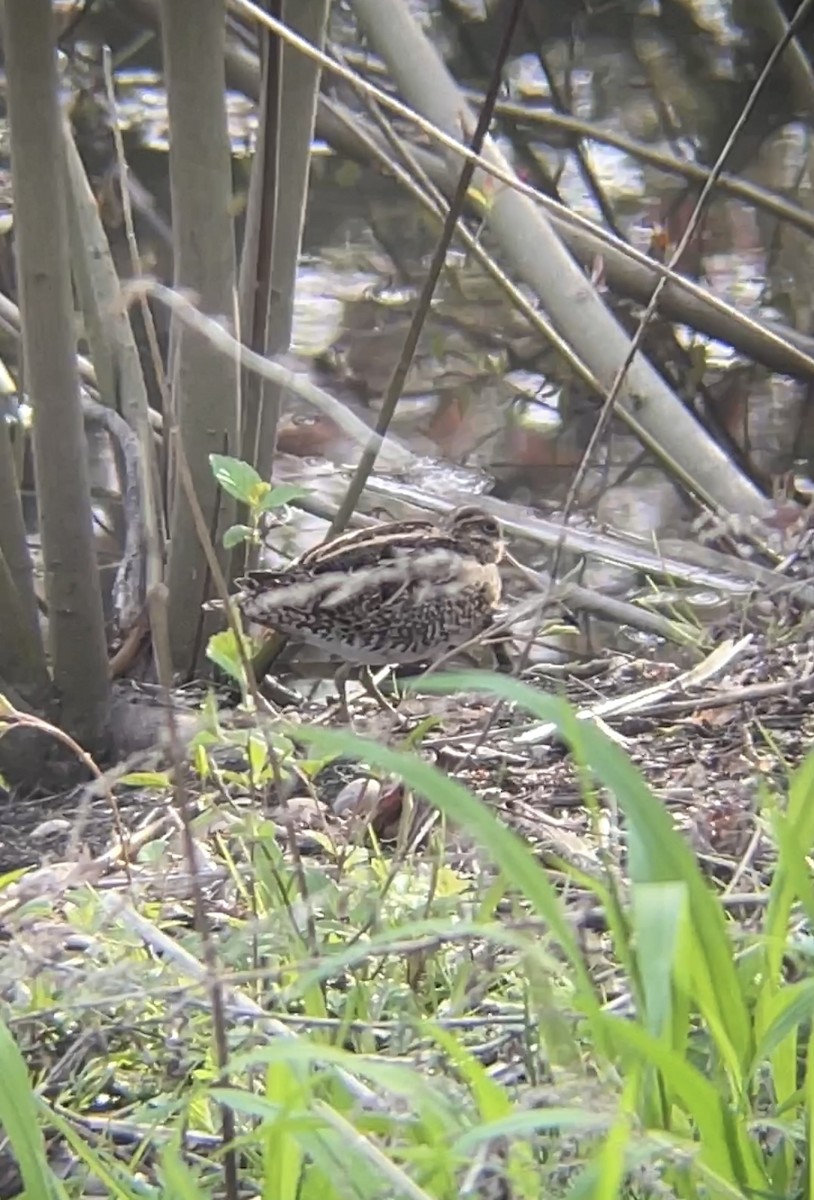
19,1117
657,854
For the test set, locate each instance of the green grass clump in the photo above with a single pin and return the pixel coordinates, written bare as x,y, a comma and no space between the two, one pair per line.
453,1025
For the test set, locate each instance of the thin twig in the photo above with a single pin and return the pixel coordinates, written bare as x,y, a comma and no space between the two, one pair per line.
183,308
395,385
11,718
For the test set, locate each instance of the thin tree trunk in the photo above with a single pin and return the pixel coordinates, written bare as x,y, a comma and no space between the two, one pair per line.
205,381
75,618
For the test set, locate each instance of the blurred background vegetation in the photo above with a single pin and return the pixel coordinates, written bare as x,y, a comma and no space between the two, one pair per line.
483,954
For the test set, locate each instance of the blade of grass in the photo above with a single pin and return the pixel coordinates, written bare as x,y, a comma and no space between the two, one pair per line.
357,1151
282,1153
659,917
611,1160
113,1178
19,1118
725,1141
178,1181
657,854
505,848
491,1100
809,1116
794,832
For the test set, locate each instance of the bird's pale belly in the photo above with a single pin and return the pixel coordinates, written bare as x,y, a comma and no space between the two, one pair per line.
383,639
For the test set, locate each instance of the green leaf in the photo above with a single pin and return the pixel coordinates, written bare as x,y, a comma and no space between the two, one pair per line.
725,1143
789,1009
236,534
794,831
808,1183
258,754
611,1161
282,1154
658,911
491,1099
236,477
178,1181
276,497
222,650
146,779
258,495
10,877
19,1119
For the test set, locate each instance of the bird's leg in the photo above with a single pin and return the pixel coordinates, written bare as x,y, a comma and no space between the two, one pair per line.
341,682
503,660
369,684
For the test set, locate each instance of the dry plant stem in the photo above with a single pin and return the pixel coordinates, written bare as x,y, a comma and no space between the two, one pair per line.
297,107
205,398
9,719
127,653
395,385
678,560
119,851
254,286
128,590
728,185
153,511
94,275
736,696
629,272
433,200
294,107
301,78
182,307
10,323
243,74
76,621
117,364
575,146
15,551
797,65
545,118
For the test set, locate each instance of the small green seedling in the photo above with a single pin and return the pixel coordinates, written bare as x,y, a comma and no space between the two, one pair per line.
240,480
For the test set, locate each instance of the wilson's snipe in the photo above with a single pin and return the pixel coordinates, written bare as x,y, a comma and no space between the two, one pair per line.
403,592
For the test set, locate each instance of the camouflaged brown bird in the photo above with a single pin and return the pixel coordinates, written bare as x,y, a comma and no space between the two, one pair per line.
402,592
